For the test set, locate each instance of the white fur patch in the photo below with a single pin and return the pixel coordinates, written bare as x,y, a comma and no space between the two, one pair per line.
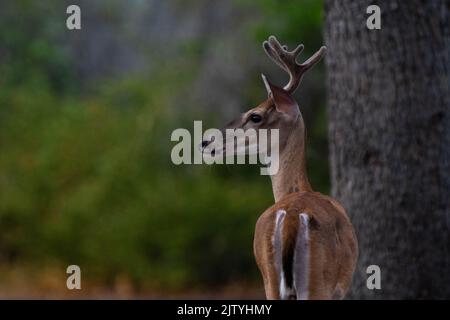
301,258
305,220
301,267
277,245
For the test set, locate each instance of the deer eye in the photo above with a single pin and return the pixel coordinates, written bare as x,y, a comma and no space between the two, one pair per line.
256,118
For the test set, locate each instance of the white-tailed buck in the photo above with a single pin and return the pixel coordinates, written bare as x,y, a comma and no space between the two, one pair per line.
304,244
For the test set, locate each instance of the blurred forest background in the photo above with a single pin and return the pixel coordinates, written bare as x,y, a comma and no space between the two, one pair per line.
85,124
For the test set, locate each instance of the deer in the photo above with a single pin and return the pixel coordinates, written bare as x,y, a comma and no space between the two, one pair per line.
304,244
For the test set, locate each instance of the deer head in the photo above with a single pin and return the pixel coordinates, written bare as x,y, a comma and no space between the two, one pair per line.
279,111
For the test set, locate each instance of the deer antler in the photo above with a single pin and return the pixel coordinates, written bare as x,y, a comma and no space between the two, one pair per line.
287,60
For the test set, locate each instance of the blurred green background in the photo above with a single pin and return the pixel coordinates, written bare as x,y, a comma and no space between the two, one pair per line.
85,123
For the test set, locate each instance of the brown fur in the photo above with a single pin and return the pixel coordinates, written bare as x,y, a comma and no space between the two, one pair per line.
334,248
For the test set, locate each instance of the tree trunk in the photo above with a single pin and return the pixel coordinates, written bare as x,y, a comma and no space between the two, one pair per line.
389,133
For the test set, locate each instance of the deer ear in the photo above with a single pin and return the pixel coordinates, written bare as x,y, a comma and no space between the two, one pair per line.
281,98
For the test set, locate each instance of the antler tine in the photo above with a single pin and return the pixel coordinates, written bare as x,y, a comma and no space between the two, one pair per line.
273,56
287,60
314,58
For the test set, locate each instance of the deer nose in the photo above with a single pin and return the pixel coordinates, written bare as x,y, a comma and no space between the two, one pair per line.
205,143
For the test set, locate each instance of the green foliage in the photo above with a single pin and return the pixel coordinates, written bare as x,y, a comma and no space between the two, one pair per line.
290,20
29,33
88,180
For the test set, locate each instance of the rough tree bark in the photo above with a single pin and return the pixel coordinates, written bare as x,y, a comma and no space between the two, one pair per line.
389,133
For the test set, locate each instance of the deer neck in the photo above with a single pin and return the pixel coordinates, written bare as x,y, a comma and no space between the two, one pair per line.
291,176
